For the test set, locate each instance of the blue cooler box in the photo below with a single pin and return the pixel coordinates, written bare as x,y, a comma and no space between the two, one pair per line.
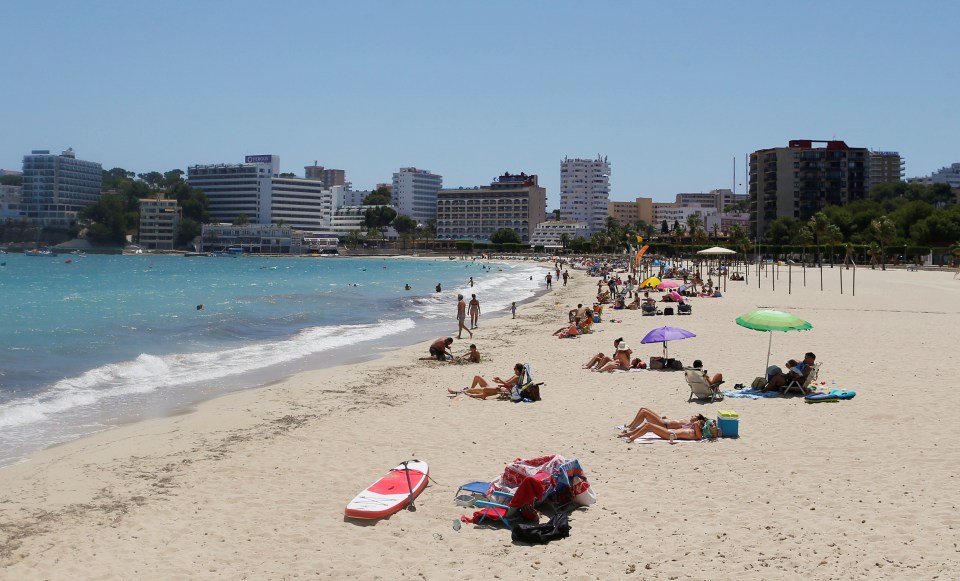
729,423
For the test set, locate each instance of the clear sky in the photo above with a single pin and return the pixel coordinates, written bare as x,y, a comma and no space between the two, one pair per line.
671,92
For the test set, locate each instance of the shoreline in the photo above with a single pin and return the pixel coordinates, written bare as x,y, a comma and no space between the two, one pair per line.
254,483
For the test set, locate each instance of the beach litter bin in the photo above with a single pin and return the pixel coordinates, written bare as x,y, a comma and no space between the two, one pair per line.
729,423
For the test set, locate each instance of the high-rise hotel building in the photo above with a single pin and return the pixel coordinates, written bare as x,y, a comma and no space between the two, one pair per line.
510,201
800,180
254,189
57,187
414,193
585,191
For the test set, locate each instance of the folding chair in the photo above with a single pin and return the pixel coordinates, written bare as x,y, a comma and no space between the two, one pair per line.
699,387
804,386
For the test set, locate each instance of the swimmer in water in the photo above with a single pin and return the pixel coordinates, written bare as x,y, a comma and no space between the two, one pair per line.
406,287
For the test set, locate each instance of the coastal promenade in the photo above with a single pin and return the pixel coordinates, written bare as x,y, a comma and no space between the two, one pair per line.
253,485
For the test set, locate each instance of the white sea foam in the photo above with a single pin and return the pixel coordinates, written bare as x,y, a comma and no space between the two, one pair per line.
149,373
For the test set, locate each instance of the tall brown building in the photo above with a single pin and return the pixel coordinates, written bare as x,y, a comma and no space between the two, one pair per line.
800,180
329,177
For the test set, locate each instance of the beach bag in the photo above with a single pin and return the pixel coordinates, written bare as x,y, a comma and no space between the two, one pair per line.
676,365
711,430
558,527
758,382
668,310
656,363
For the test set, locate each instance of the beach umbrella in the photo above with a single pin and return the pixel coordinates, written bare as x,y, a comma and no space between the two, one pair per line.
770,321
664,334
668,284
651,282
717,250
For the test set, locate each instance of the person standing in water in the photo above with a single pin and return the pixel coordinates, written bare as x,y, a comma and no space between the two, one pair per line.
438,288
462,318
471,281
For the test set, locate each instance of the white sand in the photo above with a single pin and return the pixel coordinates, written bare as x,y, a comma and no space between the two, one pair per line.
253,485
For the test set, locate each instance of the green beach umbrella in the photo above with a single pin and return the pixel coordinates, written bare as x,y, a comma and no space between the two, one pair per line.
770,321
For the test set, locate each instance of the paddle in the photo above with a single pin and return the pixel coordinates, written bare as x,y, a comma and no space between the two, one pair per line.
406,471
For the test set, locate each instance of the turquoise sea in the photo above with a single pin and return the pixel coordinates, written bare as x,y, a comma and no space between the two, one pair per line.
87,342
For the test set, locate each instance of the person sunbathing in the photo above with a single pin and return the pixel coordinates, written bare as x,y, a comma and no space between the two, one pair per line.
599,360
715,379
621,358
480,388
647,415
691,429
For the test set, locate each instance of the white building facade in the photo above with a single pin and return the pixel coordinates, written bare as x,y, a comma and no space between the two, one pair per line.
56,187
585,191
415,193
549,234
10,203
254,189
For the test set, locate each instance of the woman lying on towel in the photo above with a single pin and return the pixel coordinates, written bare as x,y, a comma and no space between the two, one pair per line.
649,422
481,389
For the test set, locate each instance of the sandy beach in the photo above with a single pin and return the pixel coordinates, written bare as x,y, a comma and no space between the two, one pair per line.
253,485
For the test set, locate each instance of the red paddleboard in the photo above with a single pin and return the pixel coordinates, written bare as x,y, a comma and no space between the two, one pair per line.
391,493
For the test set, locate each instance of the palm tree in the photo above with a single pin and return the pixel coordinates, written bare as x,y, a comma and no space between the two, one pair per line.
819,224
564,240
834,236
599,241
884,231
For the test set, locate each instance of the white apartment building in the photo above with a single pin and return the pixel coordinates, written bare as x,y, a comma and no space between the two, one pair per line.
415,193
57,187
673,212
585,191
252,238
947,175
254,188
548,234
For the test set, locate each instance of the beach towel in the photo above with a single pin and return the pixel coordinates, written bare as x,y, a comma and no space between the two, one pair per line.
751,394
655,439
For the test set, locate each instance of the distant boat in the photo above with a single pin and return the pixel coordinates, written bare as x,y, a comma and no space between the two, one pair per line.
40,252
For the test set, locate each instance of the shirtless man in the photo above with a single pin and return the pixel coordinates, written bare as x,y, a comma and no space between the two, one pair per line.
440,349
462,318
474,311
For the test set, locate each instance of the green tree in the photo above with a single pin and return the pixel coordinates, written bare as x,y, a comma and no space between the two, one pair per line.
505,236
187,230
941,228
404,225
664,229
192,201
379,218
241,220
11,180
564,240
107,220
379,197
288,175
782,230
172,177
819,224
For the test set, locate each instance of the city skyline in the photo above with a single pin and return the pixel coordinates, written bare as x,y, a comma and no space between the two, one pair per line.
672,99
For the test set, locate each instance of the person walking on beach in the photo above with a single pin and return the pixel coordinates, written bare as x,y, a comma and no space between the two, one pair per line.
474,311
549,281
462,318
513,309
566,275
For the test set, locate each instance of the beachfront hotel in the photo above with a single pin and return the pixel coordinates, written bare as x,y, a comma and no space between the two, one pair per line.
800,180
255,189
56,187
550,234
414,193
517,202
328,176
585,191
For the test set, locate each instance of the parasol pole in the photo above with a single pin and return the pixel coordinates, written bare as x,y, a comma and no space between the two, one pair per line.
769,347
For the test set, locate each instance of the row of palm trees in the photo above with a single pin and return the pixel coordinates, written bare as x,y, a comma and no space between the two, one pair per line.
617,236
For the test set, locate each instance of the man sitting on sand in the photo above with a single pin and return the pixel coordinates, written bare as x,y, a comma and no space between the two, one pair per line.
481,389
440,349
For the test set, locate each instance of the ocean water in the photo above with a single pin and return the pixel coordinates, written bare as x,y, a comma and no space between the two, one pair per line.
89,342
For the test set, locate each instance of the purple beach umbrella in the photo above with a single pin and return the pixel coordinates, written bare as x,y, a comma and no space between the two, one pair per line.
664,334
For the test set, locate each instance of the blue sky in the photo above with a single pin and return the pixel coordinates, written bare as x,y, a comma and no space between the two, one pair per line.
671,92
